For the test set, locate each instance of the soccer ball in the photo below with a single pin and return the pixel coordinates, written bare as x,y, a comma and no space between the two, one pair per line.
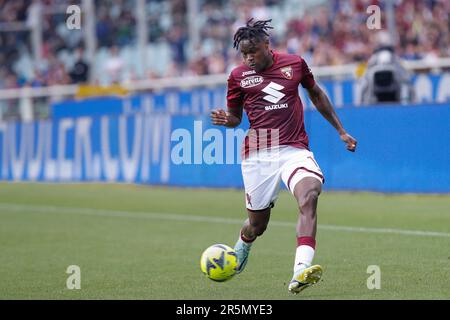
219,262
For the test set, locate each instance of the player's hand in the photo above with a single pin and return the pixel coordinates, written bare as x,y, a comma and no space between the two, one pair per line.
219,117
350,141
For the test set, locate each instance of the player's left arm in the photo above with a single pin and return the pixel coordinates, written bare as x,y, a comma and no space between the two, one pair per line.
323,105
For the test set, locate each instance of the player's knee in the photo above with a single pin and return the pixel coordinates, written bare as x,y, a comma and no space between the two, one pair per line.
308,202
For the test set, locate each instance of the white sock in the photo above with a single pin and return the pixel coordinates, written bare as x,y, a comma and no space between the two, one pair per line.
303,257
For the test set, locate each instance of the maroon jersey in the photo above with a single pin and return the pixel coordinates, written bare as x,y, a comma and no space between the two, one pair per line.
270,99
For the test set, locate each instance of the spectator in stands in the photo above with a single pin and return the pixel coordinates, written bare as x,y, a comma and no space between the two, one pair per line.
177,39
104,28
80,70
216,63
38,79
57,74
330,34
3,75
114,65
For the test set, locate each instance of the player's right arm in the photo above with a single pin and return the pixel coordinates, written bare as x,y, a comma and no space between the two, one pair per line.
233,116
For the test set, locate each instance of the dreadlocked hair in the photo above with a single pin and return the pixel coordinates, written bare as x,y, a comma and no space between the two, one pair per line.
256,30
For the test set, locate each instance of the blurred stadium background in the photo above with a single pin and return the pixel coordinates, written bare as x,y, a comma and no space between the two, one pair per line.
111,101
125,41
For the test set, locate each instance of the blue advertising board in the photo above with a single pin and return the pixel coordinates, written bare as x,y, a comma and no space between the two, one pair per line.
428,88
400,149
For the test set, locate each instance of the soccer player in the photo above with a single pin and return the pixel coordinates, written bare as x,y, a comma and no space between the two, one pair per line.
276,146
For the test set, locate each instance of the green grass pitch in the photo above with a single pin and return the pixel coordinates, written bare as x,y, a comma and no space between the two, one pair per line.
140,242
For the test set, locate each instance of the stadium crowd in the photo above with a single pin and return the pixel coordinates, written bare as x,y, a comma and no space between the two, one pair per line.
331,33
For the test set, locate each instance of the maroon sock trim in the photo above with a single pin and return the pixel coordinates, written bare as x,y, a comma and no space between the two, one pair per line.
306,241
243,238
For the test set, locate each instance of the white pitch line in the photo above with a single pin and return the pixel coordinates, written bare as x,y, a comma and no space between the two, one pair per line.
181,217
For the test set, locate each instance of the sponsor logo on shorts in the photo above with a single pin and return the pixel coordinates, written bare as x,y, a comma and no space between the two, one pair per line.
249,200
252,81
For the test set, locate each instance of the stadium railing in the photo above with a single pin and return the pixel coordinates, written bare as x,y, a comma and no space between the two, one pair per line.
28,103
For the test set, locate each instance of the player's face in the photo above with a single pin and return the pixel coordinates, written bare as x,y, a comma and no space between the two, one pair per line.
256,54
